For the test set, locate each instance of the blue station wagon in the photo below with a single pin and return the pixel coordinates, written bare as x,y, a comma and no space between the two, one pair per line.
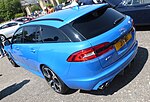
82,47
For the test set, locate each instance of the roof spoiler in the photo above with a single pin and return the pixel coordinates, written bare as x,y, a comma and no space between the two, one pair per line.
55,19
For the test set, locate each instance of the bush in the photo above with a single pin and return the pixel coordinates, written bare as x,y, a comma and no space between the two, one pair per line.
19,15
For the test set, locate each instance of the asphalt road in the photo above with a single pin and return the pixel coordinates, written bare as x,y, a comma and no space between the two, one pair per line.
19,85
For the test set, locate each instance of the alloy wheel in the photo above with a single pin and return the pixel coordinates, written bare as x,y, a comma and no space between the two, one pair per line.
52,79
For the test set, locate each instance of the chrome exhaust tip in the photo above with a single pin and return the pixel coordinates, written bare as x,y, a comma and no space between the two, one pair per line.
104,85
107,84
101,87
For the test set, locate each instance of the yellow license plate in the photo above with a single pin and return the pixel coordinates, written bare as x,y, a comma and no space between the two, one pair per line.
122,41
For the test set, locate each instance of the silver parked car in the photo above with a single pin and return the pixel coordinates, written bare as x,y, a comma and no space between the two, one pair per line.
7,29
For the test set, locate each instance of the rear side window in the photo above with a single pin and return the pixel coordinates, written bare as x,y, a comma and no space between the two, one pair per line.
51,34
97,22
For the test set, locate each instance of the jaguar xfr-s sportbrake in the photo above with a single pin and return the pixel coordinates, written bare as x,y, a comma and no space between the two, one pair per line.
77,48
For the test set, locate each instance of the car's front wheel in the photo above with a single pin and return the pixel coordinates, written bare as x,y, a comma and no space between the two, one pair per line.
54,81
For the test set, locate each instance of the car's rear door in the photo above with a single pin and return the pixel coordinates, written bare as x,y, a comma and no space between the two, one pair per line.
30,47
139,10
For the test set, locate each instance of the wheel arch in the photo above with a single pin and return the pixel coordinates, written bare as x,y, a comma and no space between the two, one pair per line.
41,65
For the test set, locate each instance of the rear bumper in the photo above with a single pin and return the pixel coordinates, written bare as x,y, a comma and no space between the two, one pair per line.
93,81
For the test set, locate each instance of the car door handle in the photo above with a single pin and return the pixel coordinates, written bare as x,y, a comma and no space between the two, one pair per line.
33,51
17,48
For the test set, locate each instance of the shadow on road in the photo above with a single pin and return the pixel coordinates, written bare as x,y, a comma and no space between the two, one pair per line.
130,73
142,28
12,89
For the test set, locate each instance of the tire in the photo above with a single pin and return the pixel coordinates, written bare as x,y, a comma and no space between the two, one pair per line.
54,81
12,61
2,37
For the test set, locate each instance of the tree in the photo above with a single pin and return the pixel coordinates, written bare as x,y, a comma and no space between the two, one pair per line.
8,9
2,11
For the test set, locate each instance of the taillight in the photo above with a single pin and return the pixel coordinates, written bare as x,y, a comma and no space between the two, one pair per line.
90,53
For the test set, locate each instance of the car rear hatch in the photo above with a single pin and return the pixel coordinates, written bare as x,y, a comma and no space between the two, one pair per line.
110,33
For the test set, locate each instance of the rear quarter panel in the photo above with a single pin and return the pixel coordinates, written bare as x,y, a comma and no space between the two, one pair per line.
55,55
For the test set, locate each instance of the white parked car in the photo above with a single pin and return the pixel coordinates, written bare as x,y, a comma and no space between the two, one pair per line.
8,29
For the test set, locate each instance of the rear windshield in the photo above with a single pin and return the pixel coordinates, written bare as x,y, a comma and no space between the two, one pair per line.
97,22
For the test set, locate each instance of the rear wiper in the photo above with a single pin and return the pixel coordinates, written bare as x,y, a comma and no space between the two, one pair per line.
118,20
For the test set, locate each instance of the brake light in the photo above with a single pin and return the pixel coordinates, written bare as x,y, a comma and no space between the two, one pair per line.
90,53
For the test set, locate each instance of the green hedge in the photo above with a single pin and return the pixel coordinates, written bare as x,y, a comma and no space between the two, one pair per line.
19,15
